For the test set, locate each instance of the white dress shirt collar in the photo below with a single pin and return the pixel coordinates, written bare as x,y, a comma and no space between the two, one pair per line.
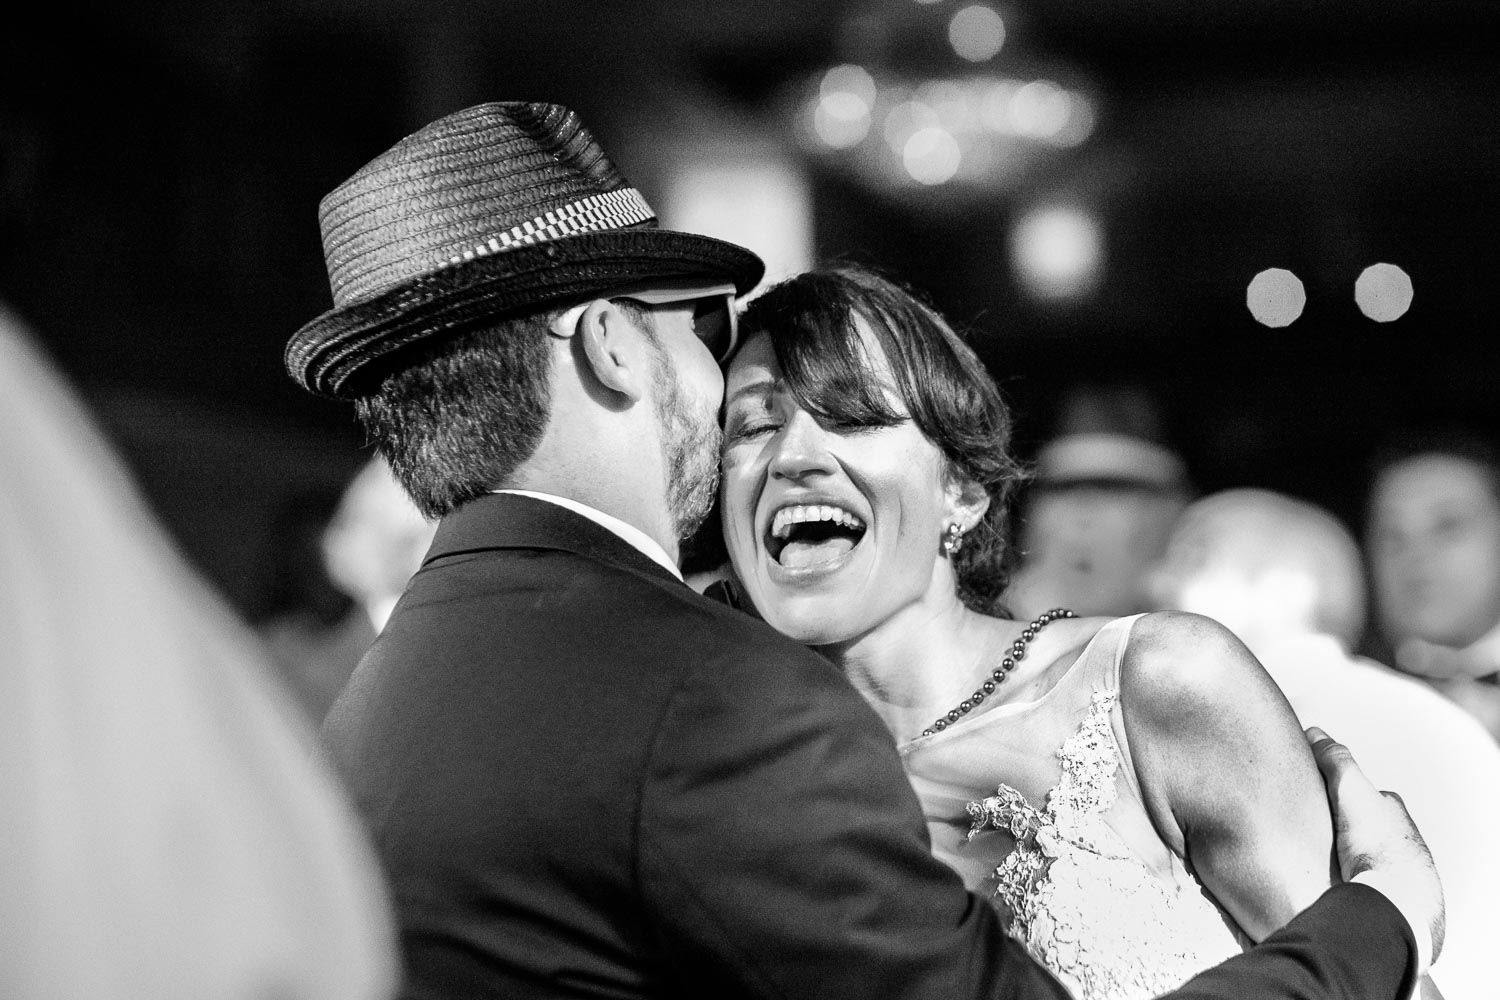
637,538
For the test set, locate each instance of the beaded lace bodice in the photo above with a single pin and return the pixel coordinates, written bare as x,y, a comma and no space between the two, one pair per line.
1075,868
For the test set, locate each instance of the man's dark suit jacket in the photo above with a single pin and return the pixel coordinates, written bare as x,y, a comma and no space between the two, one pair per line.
586,780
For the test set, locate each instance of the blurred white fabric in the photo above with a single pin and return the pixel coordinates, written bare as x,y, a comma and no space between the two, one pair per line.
1285,576
166,830
1411,740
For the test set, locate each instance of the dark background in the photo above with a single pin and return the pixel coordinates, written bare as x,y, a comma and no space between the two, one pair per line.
161,164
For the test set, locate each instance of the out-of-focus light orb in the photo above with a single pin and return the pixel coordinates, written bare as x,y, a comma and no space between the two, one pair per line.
994,105
931,156
1383,292
841,120
1275,297
976,33
841,115
1080,122
849,79
1058,252
907,119
950,101
1040,109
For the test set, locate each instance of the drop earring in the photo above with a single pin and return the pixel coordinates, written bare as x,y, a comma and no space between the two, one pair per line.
953,540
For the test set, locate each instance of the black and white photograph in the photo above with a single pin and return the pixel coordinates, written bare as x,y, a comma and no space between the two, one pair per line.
685,498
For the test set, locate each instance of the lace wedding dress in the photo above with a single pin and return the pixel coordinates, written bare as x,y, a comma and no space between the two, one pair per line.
1037,806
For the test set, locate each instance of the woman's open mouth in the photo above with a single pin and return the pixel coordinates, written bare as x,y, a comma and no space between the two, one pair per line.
804,535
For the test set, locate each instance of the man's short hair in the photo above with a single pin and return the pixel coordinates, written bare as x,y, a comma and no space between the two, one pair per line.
457,421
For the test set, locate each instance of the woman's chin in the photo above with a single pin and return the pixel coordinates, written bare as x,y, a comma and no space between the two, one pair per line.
813,620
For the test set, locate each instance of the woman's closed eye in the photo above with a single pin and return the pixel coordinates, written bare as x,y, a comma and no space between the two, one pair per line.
856,425
745,427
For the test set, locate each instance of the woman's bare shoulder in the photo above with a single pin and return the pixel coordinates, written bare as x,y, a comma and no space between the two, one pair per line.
1177,659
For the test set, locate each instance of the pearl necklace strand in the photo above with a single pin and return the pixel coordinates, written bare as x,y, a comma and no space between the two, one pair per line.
997,676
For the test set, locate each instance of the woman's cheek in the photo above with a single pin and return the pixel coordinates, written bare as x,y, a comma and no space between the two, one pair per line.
733,515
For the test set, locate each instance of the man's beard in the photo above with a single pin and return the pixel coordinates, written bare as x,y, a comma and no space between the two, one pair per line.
690,438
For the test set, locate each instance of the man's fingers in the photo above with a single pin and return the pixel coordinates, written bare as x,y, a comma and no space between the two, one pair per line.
1334,759
1378,843
1321,742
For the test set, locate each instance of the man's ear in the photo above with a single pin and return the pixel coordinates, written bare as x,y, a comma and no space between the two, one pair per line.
614,348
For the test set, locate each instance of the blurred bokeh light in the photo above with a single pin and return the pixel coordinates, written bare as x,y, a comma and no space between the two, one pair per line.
977,33
1276,297
1383,292
1058,250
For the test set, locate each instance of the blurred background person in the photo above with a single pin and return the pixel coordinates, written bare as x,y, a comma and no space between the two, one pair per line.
165,831
1286,577
1432,539
375,542
1106,488
299,604
368,549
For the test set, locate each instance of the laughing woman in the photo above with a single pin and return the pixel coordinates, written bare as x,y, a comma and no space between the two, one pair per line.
1135,795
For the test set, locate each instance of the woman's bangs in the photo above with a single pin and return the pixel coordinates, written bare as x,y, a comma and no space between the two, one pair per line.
827,369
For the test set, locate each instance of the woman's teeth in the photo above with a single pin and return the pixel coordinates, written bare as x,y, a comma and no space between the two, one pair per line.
812,534
781,523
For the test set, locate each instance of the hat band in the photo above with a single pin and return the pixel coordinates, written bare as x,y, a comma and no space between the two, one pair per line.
610,210
1102,456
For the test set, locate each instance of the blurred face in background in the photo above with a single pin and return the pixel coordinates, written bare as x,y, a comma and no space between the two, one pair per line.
376,541
1095,542
1434,550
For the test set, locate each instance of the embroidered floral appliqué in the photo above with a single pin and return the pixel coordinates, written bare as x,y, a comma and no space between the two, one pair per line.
1105,924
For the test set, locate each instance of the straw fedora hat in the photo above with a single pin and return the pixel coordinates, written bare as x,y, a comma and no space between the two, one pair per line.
499,209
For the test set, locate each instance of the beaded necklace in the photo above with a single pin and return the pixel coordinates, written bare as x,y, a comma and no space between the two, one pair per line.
997,676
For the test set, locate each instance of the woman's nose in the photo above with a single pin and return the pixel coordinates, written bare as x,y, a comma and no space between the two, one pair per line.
800,449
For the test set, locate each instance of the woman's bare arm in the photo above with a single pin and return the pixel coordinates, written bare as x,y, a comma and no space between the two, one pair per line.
1225,769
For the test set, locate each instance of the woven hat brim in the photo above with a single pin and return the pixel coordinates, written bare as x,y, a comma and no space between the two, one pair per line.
344,353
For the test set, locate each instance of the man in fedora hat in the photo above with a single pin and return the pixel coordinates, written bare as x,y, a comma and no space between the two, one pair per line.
584,778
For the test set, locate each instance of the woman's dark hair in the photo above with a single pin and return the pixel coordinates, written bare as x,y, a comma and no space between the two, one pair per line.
457,421
944,387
